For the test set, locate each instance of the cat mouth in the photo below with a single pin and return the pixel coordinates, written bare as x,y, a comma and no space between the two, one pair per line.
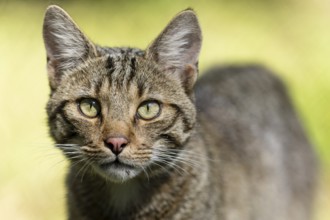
118,171
116,164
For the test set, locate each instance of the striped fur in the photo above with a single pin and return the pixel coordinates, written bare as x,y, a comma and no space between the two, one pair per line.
234,162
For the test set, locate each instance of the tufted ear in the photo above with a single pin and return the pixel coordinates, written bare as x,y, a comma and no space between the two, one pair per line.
177,48
66,45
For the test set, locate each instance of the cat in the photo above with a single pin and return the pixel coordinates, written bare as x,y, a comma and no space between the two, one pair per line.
146,140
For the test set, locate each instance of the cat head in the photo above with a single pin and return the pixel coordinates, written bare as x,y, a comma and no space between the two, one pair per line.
121,111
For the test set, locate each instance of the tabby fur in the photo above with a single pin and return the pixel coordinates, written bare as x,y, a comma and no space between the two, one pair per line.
228,148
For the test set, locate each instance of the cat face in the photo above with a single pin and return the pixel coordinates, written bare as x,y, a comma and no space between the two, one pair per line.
121,112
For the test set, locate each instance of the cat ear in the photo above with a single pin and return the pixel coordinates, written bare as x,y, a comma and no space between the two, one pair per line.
66,45
177,48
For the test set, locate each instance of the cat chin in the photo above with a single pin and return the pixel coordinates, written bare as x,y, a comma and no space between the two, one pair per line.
117,173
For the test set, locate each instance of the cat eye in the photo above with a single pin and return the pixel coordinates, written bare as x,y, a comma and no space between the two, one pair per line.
148,110
89,107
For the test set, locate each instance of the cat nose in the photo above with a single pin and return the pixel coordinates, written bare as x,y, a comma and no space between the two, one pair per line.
116,144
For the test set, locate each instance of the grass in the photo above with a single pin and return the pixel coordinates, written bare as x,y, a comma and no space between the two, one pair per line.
290,37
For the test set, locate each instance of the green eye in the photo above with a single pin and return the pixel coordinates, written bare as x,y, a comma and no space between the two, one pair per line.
89,107
148,110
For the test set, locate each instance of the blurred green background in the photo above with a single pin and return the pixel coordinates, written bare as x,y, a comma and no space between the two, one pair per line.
291,37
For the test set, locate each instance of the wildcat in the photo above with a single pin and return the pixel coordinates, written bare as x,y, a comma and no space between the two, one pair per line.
146,141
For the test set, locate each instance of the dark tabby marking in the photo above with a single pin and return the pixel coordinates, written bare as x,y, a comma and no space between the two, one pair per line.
126,119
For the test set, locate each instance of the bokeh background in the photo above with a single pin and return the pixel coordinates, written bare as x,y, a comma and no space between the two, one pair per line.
291,37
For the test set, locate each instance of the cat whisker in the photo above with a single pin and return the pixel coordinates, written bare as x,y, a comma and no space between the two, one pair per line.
145,171
180,163
187,161
84,165
71,154
172,164
180,151
182,158
57,163
51,155
76,162
163,168
67,145
189,153
52,158
87,166
75,157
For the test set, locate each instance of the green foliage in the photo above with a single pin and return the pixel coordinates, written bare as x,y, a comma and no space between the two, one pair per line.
290,37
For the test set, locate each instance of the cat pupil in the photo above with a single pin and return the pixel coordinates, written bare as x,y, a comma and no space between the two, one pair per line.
91,105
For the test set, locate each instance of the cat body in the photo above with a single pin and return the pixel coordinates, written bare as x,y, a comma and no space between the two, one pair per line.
145,142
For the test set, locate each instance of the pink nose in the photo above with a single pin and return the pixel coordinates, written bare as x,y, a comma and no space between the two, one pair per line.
116,144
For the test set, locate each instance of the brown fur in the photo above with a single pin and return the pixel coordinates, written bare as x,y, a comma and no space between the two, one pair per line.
238,152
